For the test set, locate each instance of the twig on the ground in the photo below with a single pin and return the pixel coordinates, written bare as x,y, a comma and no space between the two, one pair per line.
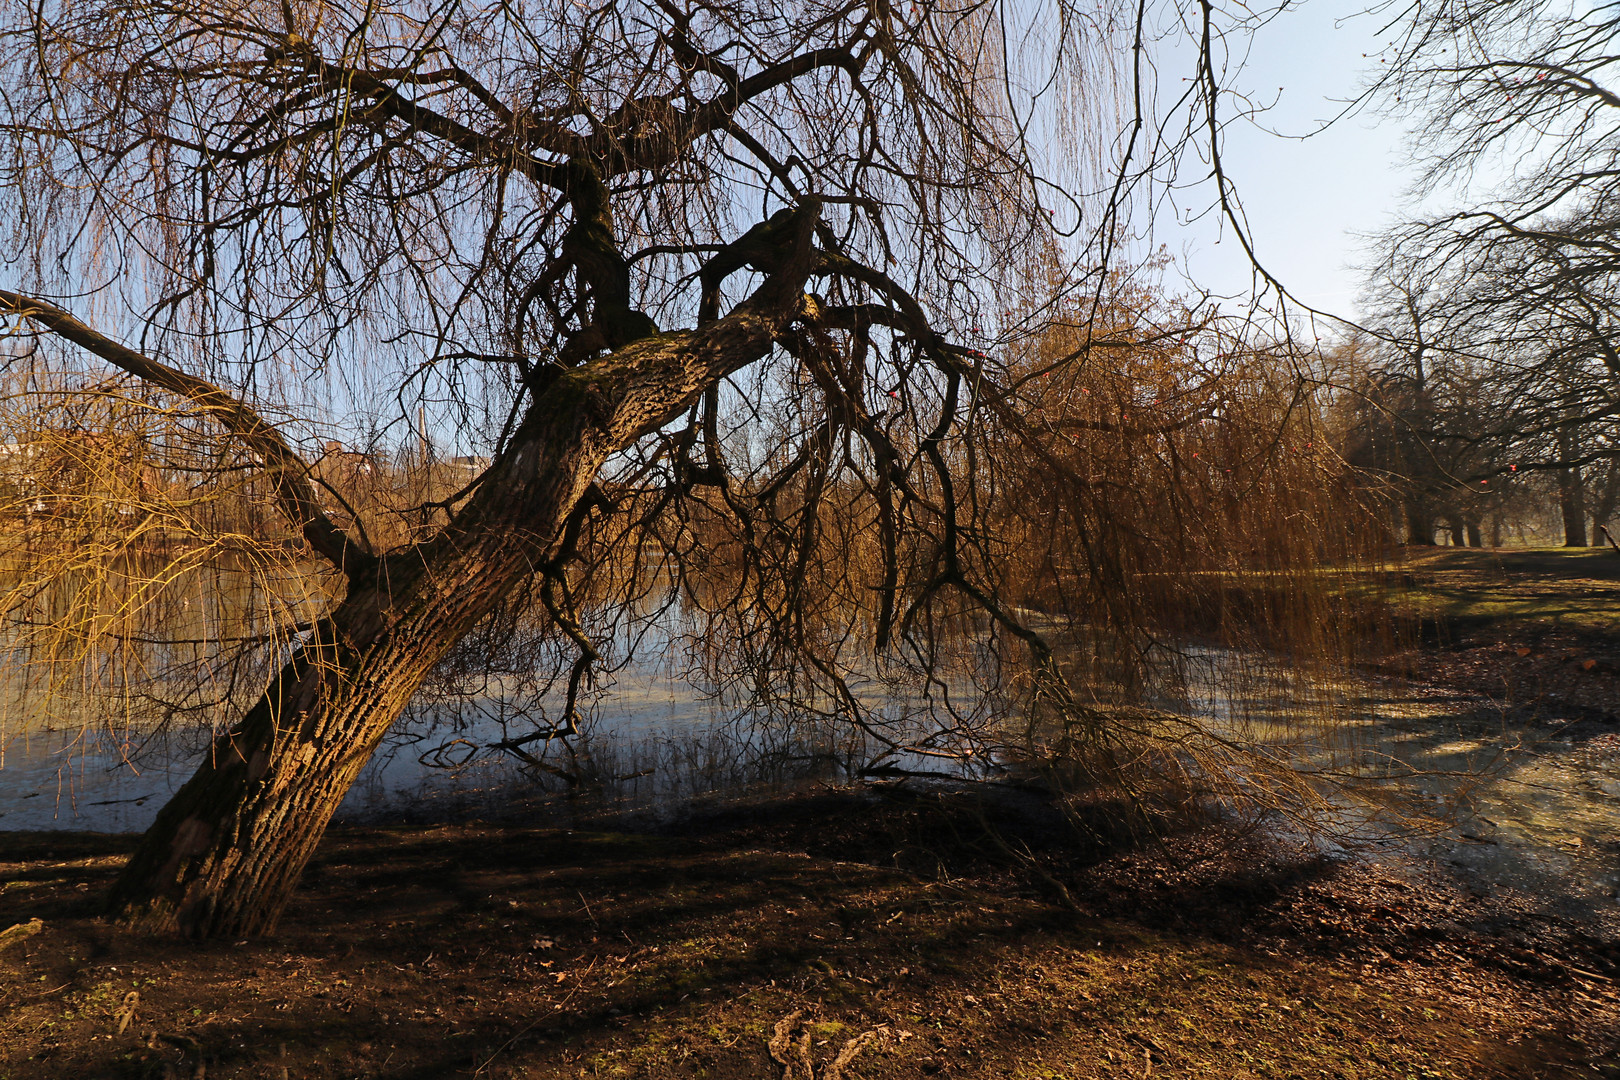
802,1066
126,1012
782,1042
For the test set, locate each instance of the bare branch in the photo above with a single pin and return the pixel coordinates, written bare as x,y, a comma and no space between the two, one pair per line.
288,472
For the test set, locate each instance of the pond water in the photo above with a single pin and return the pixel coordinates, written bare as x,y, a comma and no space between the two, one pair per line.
1524,799
649,740
1541,814
648,743
1532,805
653,742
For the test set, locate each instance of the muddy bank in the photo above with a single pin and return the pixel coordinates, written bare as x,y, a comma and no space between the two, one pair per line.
893,931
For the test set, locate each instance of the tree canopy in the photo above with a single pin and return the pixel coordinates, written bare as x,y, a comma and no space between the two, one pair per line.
1511,284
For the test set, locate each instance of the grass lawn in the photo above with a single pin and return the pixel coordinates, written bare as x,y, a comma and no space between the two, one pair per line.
1576,589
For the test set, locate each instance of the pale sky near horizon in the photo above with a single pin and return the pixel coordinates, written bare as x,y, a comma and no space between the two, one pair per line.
1306,198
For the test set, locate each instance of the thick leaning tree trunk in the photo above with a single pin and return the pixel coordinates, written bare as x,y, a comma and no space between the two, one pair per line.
224,855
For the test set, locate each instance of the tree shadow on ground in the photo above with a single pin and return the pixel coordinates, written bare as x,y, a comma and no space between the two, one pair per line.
898,920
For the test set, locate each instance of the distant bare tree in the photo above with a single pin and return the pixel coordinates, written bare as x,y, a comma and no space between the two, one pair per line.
1519,125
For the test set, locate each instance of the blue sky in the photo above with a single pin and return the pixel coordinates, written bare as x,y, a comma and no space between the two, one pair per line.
1306,197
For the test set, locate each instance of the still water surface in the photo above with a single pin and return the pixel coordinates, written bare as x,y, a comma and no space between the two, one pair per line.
677,739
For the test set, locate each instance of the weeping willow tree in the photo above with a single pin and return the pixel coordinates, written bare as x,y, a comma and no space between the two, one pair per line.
1174,513
728,307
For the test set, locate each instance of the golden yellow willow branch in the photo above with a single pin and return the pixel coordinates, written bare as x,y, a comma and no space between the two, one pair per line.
295,494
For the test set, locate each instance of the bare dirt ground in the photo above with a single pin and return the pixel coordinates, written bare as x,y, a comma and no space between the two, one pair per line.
883,932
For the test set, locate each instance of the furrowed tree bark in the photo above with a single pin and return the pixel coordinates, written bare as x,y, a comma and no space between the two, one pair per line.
225,854
465,195
1572,506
